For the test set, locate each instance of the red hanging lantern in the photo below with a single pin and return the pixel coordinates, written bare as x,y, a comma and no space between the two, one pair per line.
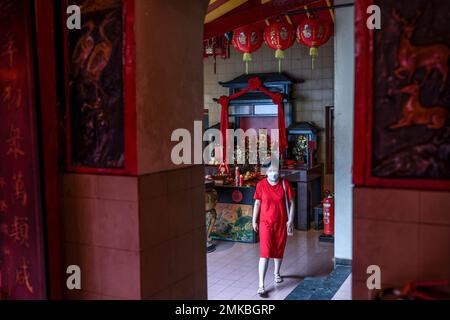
279,36
247,39
313,33
216,47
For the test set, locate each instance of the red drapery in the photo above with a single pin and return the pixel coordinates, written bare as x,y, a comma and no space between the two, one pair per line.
277,98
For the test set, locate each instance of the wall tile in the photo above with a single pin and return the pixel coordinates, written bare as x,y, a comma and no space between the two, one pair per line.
181,257
155,273
152,185
316,84
120,273
176,254
328,84
180,213
435,207
88,259
434,252
200,284
79,185
116,224
317,116
327,95
77,217
117,188
197,175
393,205
179,179
154,221
183,290
165,294
393,246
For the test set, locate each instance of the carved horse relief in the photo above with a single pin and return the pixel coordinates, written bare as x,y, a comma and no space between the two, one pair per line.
411,57
414,113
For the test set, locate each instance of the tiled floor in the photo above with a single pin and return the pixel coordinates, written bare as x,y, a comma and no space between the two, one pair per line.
345,291
321,288
233,267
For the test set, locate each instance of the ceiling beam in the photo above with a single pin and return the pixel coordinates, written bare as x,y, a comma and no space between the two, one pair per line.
258,12
221,7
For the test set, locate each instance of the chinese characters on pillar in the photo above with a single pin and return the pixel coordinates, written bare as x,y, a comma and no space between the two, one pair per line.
14,143
19,232
23,275
22,268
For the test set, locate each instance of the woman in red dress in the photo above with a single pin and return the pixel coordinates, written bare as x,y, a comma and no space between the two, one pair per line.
272,221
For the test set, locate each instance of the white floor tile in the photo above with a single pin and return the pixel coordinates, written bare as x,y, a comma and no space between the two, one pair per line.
233,268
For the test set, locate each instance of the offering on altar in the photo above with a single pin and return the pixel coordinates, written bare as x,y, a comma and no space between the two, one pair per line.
224,169
250,176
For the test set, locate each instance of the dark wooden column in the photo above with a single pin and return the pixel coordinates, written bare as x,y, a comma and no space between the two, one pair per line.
49,132
309,184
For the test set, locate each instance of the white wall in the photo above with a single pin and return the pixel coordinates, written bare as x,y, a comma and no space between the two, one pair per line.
344,92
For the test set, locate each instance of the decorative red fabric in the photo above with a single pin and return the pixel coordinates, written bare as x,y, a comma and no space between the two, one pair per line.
254,83
277,98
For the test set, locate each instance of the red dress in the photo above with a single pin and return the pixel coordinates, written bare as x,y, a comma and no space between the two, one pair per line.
273,217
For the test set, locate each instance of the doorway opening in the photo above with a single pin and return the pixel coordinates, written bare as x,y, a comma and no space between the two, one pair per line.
308,85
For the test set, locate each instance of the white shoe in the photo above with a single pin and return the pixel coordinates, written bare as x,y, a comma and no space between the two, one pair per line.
261,291
277,278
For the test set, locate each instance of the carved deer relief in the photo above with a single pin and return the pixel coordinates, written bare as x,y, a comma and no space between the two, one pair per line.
414,113
411,57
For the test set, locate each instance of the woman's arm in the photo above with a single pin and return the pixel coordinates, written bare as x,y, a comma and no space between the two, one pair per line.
290,223
256,210
291,211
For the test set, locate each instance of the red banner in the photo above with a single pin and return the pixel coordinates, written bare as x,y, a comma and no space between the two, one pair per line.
22,258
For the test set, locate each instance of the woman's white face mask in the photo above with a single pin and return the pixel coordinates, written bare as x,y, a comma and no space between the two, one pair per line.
273,176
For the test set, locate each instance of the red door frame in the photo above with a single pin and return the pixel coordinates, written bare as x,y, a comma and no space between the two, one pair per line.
46,70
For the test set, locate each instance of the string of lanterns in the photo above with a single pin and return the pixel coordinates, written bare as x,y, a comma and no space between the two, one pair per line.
280,35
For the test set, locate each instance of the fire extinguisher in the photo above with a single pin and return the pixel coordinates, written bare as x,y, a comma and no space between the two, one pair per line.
328,215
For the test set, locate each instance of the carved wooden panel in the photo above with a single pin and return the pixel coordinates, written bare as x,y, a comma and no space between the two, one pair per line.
99,84
402,128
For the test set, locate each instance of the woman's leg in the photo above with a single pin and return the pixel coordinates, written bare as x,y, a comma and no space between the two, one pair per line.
277,270
263,263
280,237
277,265
264,244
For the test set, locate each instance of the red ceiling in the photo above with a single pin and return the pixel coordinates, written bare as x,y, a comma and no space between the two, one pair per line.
253,11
